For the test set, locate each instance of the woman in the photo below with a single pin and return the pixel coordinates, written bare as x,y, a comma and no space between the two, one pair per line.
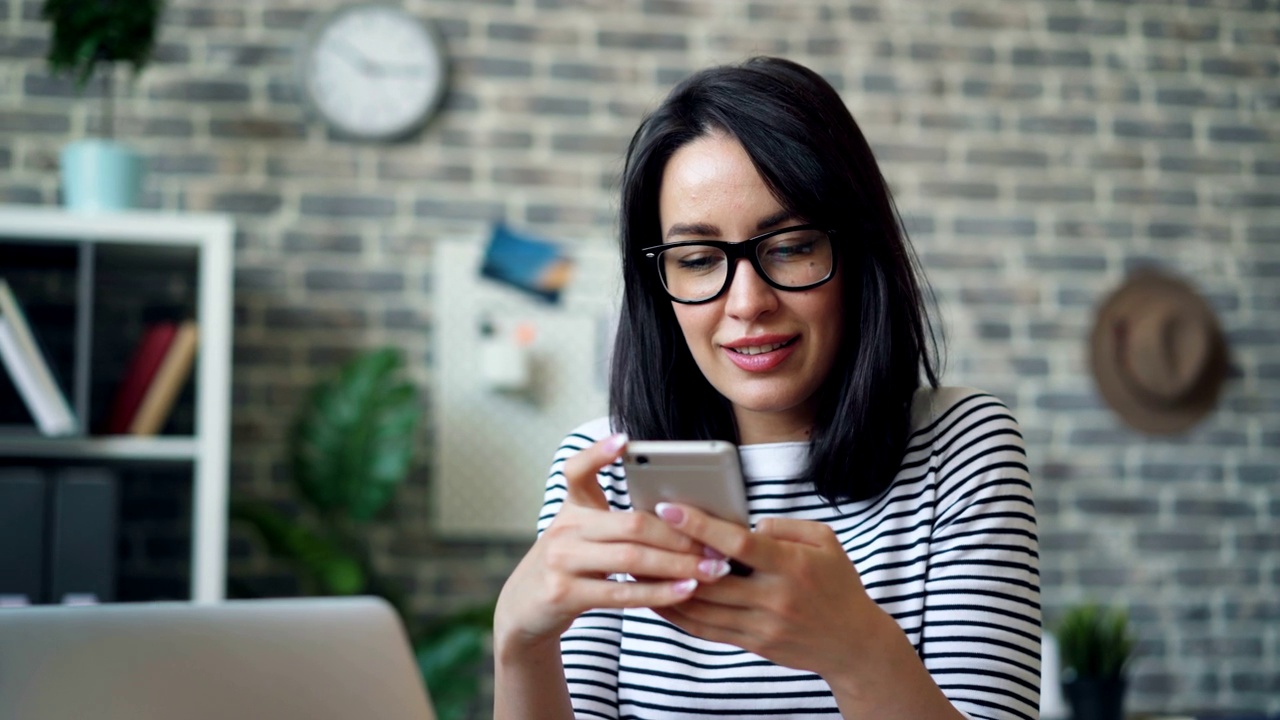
771,300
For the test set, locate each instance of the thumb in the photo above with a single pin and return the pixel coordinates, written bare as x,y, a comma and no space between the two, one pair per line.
806,532
580,471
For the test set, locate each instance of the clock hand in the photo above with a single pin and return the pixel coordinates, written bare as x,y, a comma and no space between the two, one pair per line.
355,57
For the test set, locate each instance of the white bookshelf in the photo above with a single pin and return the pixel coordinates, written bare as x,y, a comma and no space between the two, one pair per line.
210,238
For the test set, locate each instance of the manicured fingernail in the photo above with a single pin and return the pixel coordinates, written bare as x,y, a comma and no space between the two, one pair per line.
684,587
614,443
713,568
710,552
670,513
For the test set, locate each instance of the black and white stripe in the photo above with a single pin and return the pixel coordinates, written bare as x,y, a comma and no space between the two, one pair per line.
950,551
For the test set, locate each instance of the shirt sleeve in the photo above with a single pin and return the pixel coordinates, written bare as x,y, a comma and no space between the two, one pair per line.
590,647
981,626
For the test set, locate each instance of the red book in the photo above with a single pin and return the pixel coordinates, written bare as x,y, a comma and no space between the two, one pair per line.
139,374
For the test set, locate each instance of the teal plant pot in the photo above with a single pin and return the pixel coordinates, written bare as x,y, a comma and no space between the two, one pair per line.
100,175
1094,698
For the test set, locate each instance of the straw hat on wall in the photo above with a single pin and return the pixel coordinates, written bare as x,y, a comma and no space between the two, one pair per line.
1157,353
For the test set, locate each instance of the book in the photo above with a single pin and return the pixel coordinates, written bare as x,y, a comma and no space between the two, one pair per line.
174,370
139,373
22,535
30,371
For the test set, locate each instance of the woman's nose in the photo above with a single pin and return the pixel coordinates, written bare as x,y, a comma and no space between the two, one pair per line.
749,296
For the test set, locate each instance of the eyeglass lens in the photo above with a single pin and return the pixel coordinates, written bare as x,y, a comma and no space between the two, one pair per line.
792,259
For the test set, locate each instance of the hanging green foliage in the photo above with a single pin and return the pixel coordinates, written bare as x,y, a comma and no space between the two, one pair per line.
1095,641
88,33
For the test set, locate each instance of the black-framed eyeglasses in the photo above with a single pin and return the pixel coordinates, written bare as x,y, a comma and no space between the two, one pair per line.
792,258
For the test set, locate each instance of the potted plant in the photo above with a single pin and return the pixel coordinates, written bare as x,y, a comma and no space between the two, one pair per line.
350,447
89,38
1096,644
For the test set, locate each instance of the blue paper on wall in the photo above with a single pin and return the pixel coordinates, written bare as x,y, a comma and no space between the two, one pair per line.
534,265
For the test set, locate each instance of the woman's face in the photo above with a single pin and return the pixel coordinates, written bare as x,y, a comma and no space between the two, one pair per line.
711,191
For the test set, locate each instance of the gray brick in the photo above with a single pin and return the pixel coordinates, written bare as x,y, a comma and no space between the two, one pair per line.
249,54
1179,471
1247,199
283,92
591,143
1263,234
1002,90
189,17
41,85
1265,541
1154,196
993,330
1217,577
1059,124
587,72
1054,193
537,176
1264,166
21,195
1268,37
677,8
476,210
34,123
571,214
988,122
1104,229
486,139
1213,509
880,83
959,189
1008,158
347,206
257,278
228,91
824,45
1042,57
1118,506
311,166
1064,401
1074,91
314,318
287,19
302,241
1153,129
1240,68
996,226
495,67
6,158
1218,97
931,51
250,128
1071,263
1222,647
23,48
529,33
1178,541
247,202
1240,134
567,106
1201,165
370,281
889,152
914,224
1180,30
642,40
992,20
1117,160
1188,231
1087,26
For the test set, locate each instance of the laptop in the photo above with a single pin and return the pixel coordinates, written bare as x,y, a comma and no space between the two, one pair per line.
294,659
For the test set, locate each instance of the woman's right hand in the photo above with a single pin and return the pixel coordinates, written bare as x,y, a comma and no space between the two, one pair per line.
567,570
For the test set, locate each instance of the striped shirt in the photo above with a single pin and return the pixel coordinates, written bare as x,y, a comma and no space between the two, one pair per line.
949,550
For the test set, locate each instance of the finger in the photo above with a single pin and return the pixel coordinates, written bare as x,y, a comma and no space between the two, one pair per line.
580,471
612,594
676,615
729,538
639,527
641,561
807,532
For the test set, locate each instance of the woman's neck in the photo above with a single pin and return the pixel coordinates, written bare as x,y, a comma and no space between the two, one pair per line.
792,425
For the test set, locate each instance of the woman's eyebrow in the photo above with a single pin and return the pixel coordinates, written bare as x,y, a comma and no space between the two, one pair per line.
709,230
699,229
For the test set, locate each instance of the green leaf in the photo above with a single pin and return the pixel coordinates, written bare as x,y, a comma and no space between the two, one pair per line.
449,662
88,34
1095,641
321,560
353,443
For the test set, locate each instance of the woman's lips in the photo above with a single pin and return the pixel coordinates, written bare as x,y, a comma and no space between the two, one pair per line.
763,361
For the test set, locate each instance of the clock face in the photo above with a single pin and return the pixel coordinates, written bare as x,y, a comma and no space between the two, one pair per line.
373,71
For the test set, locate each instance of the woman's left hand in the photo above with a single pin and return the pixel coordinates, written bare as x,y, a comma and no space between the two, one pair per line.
803,607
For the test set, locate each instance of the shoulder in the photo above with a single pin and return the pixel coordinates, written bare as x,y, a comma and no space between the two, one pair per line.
951,420
588,432
932,407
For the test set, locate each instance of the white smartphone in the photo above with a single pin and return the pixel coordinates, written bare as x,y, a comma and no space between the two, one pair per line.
704,474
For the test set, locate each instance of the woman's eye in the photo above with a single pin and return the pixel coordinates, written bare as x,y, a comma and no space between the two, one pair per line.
791,250
698,262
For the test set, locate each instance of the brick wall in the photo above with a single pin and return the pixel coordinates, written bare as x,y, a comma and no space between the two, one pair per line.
1038,151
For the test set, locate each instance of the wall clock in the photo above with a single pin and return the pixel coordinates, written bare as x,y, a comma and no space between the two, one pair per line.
372,71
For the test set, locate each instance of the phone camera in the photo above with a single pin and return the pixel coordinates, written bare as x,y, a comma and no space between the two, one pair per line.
642,459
